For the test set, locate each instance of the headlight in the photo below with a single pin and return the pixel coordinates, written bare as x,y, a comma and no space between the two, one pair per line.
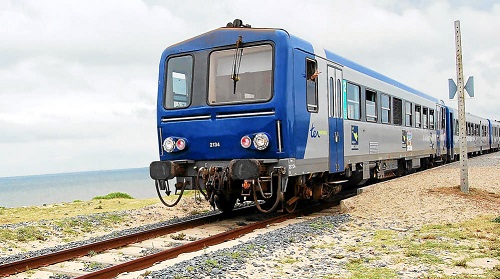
169,145
260,141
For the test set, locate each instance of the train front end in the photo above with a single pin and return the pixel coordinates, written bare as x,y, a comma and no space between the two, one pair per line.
220,111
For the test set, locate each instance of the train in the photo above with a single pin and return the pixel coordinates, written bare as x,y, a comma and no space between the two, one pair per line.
260,115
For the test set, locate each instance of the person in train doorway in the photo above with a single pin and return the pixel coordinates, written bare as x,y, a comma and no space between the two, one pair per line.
315,75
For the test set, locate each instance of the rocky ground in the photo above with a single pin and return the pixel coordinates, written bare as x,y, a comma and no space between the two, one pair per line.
418,226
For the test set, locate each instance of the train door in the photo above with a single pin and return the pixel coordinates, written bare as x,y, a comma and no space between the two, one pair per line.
440,130
451,135
335,121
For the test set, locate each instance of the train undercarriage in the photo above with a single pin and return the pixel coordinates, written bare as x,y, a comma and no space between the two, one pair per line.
267,183
223,184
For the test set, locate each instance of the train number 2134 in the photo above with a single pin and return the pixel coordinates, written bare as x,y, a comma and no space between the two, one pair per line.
215,144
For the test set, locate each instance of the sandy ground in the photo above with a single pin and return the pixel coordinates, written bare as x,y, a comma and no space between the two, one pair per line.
433,196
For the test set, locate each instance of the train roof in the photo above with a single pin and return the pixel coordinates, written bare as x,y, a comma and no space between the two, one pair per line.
369,72
214,37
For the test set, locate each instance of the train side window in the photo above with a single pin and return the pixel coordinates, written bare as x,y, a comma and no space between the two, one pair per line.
331,107
353,102
425,118
386,108
431,119
339,111
443,118
371,105
311,86
408,114
418,116
397,117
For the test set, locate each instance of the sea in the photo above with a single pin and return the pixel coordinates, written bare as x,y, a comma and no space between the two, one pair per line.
67,187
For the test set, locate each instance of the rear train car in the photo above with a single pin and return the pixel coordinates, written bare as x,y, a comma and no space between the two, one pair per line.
494,128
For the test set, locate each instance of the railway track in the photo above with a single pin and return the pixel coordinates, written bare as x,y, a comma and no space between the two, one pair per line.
49,262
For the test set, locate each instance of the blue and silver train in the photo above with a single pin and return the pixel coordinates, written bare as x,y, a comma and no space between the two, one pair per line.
257,114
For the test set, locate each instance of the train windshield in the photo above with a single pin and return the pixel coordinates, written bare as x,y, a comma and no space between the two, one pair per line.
179,82
242,75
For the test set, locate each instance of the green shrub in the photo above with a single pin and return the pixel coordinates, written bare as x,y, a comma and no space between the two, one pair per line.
115,195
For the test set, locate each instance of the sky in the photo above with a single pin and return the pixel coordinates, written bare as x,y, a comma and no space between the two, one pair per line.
78,79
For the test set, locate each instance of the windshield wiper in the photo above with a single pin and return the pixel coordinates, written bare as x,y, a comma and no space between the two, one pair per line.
238,53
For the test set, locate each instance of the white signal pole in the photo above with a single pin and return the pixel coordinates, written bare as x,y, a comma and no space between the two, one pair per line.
464,171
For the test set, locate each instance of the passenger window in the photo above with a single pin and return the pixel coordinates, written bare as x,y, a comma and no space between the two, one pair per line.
386,108
425,118
443,118
397,105
353,104
431,119
408,114
332,97
311,86
418,116
371,105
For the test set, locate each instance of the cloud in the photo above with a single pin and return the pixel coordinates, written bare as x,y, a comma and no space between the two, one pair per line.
78,79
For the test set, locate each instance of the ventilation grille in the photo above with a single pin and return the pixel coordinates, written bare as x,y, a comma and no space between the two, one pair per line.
373,147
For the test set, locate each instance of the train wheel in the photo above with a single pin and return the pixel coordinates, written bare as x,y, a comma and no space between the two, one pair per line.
225,204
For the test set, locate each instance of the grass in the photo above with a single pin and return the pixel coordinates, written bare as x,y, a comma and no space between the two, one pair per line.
359,271
61,219
24,234
210,264
287,260
71,209
476,238
179,236
434,246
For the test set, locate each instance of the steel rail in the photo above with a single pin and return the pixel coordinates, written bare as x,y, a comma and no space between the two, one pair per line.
67,254
150,260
